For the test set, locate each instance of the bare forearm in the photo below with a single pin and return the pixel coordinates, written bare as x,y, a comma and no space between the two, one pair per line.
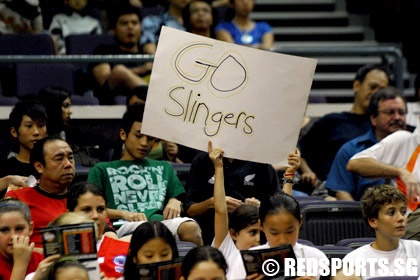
340,195
219,192
200,208
368,167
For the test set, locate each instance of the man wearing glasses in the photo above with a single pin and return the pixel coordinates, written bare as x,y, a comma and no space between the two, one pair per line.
387,111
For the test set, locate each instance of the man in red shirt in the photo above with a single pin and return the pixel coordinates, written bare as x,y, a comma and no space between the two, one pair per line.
53,159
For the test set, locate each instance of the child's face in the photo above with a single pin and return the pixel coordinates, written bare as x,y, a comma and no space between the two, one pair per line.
128,30
391,221
94,207
247,237
206,270
154,250
70,273
77,5
12,223
281,228
29,132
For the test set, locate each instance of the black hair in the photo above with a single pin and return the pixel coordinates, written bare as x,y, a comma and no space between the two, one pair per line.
366,69
141,235
133,114
27,107
38,152
243,216
52,98
200,254
382,95
120,9
79,189
280,202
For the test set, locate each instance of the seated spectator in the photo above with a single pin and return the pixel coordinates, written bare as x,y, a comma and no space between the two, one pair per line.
152,242
21,17
395,158
16,226
243,30
77,18
243,180
326,136
28,124
120,79
68,268
387,110
53,159
158,190
384,208
151,25
57,103
200,18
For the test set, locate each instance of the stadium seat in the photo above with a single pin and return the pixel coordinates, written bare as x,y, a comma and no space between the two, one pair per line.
31,77
26,44
86,43
327,222
333,251
355,242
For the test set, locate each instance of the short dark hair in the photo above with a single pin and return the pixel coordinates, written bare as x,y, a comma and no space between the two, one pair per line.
38,152
243,216
366,69
79,189
27,107
382,95
133,114
376,197
120,9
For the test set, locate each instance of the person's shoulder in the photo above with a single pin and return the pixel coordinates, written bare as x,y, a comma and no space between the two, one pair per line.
310,251
106,49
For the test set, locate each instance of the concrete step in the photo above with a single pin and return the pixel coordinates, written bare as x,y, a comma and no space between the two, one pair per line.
289,19
295,5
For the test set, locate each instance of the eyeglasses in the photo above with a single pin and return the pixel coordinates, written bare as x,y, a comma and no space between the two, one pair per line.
391,112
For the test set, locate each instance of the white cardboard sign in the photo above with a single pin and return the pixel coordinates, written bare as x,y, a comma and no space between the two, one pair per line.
247,101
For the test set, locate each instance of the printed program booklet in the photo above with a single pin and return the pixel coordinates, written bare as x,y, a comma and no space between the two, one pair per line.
78,241
254,259
161,270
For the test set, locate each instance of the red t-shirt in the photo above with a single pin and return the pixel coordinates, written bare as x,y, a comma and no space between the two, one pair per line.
45,207
6,266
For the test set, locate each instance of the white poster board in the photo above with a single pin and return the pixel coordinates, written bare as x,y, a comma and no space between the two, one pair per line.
247,101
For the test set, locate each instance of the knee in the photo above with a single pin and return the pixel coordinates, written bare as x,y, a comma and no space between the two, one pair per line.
119,71
190,231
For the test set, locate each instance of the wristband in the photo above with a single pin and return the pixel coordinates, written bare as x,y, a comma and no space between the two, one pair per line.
288,180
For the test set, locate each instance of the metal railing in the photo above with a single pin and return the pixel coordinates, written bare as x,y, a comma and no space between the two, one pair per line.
391,56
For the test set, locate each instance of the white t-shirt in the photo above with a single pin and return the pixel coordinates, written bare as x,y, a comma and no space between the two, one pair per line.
301,251
407,249
395,149
236,268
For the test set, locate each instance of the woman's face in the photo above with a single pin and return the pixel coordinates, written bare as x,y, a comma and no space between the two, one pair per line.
281,228
154,250
95,208
66,110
